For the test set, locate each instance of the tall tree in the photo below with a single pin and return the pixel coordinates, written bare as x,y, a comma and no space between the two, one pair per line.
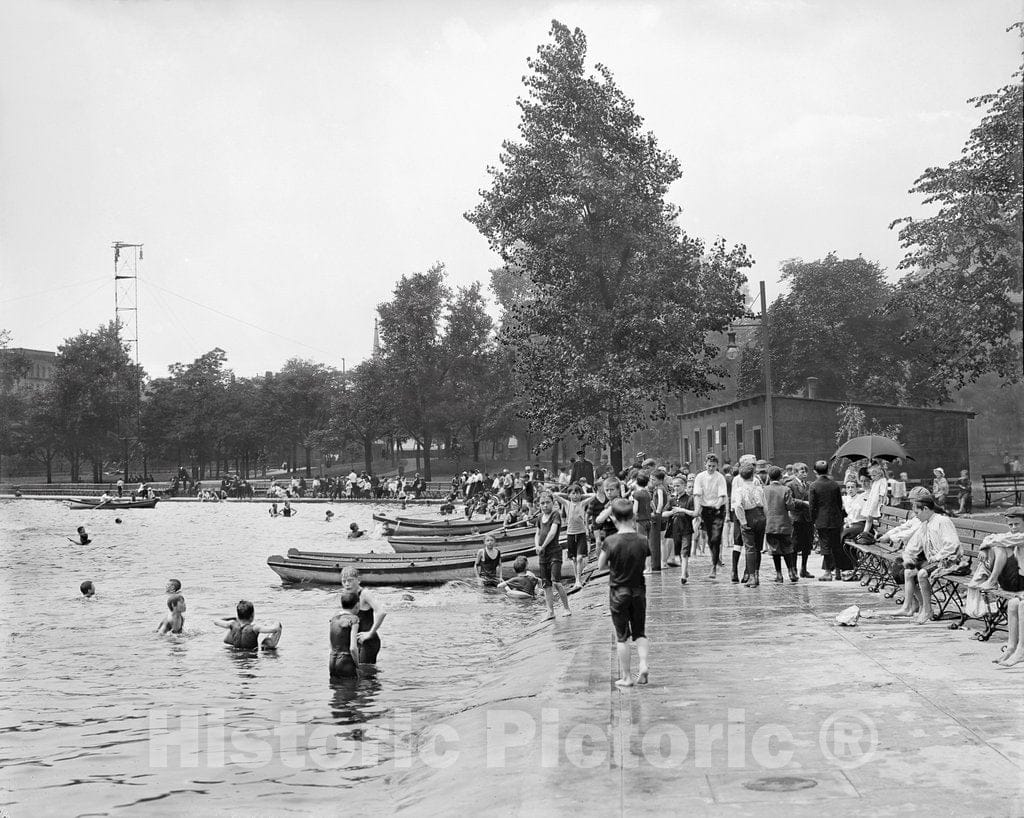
96,399
833,323
366,410
965,261
617,300
14,403
412,335
305,392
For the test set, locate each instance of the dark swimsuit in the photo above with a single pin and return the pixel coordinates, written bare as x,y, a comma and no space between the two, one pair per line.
489,568
341,664
243,637
369,649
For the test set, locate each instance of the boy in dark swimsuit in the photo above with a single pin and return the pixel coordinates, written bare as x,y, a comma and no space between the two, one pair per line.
87,588
344,641
243,633
371,615
83,538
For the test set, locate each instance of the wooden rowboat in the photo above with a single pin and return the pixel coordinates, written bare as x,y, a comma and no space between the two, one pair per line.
421,569
113,503
421,542
433,526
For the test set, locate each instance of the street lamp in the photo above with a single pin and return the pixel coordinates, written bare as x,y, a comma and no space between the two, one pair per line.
732,353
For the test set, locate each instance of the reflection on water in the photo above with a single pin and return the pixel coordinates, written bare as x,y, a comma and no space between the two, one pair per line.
104,714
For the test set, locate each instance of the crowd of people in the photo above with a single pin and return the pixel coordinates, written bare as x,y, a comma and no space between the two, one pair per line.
753,510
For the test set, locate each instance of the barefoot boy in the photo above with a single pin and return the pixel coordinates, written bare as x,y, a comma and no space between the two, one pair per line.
625,554
243,633
174,621
549,526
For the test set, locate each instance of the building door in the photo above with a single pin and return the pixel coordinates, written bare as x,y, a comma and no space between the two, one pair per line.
757,442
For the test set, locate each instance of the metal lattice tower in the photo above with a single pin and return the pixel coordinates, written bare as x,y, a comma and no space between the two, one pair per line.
126,294
126,313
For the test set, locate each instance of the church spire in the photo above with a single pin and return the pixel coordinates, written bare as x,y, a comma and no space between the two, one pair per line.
376,339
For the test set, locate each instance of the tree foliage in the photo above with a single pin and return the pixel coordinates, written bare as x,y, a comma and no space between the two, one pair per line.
834,323
615,301
965,261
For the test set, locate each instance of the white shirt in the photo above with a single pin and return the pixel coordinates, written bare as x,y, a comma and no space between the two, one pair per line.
709,490
854,507
936,538
747,494
876,498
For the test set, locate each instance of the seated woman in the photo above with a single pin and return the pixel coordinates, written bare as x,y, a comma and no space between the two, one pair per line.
940,487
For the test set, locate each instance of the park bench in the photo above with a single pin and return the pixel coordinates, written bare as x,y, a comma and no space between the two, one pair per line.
954,588
876,560
1001,486
949,593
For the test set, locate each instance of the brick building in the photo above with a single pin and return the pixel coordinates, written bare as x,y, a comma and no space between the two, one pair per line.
804,430
42,367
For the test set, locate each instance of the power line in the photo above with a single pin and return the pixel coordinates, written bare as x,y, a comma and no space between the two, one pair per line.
52,290
241,320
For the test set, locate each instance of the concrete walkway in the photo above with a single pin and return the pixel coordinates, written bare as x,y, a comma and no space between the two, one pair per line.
758,704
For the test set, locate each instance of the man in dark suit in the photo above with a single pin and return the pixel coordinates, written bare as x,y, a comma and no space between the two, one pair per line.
582,468
826,512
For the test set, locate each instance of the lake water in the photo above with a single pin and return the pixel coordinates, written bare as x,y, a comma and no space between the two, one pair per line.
103,716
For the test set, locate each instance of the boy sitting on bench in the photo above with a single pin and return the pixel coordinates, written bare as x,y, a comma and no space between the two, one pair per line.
930,552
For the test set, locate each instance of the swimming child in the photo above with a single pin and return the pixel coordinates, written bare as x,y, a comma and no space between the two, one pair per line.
243,633
329,516
87,588
83,538
173,586
273,510
524,584
354,533
488,563
287,510
174,621
344,638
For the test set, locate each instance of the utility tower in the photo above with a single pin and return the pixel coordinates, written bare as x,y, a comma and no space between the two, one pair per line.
126,314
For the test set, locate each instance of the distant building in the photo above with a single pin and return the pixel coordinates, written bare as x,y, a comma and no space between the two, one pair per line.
42,369
804,430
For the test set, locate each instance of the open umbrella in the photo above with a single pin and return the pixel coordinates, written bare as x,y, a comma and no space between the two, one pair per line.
871,447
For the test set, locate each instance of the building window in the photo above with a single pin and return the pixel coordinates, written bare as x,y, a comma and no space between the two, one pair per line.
686,450
718,437
696,445
739,438
725,438
757,442
711,439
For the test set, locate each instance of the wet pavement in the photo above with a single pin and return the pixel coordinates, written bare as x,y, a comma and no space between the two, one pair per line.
758,704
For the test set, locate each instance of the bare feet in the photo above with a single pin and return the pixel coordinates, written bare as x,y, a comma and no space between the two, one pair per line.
567,613
549,616
904,612
1013,659
924,618
624,682
641,677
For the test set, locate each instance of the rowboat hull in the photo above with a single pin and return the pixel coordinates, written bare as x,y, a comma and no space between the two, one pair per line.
413,543
116,503
424,526
420,570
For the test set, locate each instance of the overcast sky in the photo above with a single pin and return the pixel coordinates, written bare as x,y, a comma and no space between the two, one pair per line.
284,163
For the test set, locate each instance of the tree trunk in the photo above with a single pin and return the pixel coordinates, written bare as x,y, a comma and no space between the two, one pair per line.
309,460
615,442
368,454
427,442
49,467
554,456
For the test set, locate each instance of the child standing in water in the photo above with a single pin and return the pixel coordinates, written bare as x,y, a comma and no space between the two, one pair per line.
243,633
88,589
488,563
173,622
344,642
83,538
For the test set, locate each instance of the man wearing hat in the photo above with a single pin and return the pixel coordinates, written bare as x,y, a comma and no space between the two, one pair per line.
582,468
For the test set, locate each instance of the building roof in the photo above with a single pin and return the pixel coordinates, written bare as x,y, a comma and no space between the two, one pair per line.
696,413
